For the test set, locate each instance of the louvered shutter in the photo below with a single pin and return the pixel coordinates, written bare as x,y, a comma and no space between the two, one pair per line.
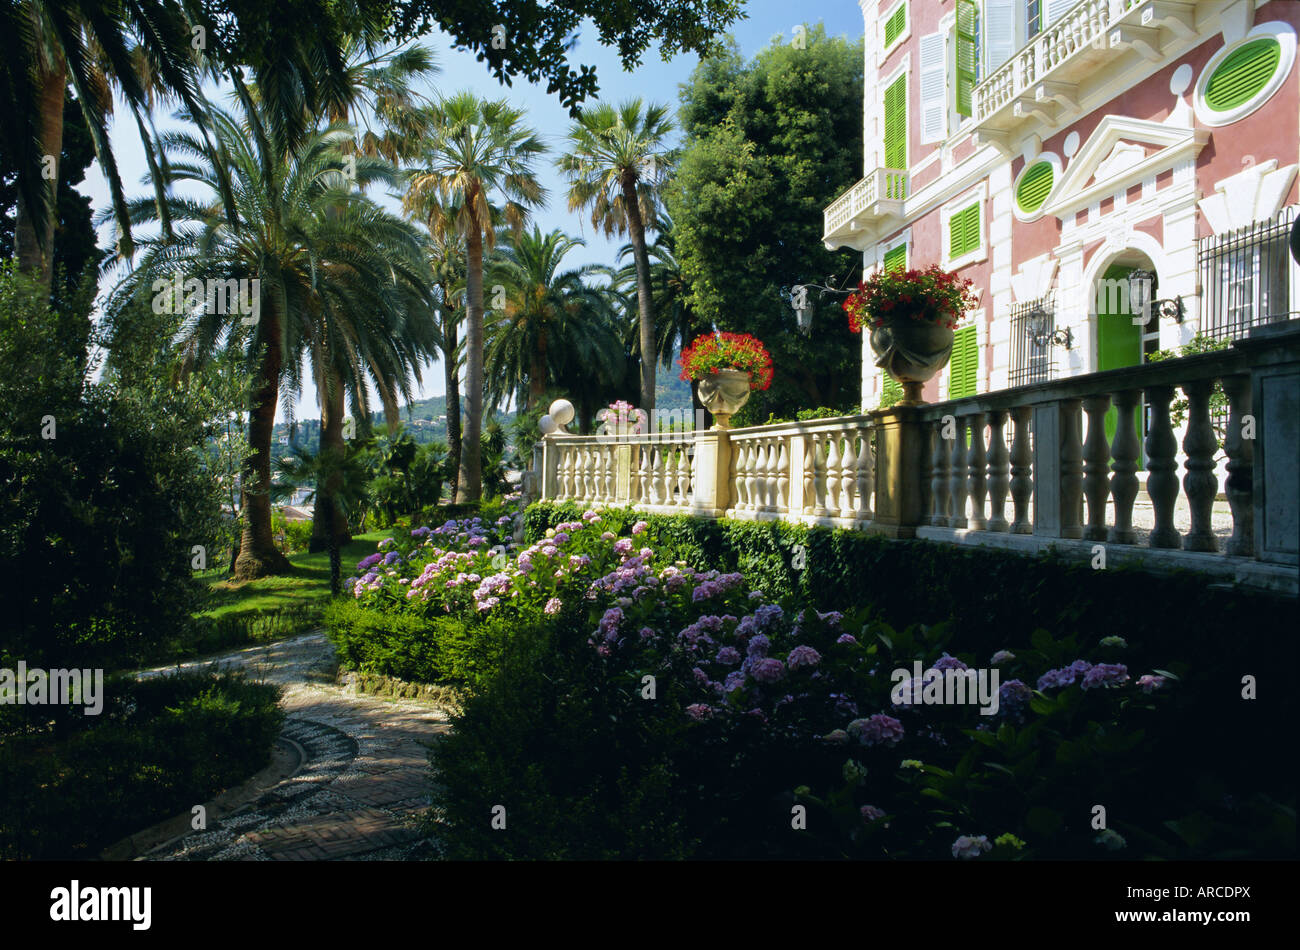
896,124
891,392
1053,10
967,62
1243,74
895,259
1035,185
963,368
895,25
934,88
1000,32
964,231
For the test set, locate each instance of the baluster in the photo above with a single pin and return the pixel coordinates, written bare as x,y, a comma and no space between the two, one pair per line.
684,476
639,473
745,475
1239,486
1200,483
819,475
770,473
999,480
809,480
1022,481
581,481
655,490
939,477
1096,463
832,475
1162,468
1071,469
975,462
783,476
761,496
848,472
752,458
562,476
1123,481
957,475
866,487
610,471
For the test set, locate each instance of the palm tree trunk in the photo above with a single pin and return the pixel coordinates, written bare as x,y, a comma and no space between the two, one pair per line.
331,440
34,228
537,370
258,555
452,376
636,229
470,484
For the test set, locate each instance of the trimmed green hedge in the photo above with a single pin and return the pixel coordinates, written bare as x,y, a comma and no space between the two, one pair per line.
990,596
159,747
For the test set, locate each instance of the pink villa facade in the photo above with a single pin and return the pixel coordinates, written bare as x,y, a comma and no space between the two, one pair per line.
1044,149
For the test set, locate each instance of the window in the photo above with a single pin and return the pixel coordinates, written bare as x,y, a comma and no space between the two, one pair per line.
896,123
963,368
895,258
895,25
933,48
1034,187
1031,360
1246,276
1242,77
967,67
964,232
1033,18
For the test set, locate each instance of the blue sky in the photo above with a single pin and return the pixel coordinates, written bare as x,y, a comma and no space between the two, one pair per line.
654,80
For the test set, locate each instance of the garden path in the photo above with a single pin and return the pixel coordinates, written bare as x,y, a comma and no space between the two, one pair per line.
363,781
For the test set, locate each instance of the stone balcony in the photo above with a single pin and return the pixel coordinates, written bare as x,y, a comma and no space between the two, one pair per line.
871,201
1043,83
1025,469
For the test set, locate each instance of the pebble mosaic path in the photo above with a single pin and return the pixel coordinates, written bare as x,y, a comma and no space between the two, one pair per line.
363,782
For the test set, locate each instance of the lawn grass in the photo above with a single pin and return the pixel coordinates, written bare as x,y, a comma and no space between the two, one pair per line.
242,613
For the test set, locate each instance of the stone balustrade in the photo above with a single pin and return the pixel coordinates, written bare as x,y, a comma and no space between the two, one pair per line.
1025,469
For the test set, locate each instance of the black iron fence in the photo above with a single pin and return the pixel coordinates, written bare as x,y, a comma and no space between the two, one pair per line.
1032,325
1246,278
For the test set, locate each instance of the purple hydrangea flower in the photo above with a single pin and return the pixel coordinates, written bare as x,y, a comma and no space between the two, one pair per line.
947,662
610,621
802,656
728,656
1151,681
1065,676
967,846
758,646
1002,656
836,737
639,527
735,679
847,638
699,711
553,606
1013,696
768,670
877,729
871,813
1105,674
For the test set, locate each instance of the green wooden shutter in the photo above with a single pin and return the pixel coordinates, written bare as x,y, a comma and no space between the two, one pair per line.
1035,185
963,368
967,53
896,124
894,25
896,258
964,231
1243,74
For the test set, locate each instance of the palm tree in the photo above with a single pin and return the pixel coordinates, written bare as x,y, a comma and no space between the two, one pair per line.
447,263
478,149
616,163
677,323
551,316
348,474
337,280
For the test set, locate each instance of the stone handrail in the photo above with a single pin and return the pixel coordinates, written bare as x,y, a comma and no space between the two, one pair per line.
888,184
1023,468
1085,24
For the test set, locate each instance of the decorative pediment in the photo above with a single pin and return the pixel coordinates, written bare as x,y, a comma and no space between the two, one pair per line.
1120,153
1255,194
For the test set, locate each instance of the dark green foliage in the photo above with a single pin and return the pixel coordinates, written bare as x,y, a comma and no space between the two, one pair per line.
768,145
158,747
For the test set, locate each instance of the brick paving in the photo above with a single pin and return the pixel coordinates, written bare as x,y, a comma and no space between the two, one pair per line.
362,788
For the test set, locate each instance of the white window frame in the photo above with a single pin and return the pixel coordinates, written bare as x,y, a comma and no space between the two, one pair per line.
971,196
883,248
1286,38
1058,169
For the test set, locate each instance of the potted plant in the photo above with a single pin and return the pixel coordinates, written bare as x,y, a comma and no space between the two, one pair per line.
622,419
910,315
728,367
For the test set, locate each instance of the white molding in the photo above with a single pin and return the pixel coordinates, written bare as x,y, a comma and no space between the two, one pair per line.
1254,194
1073,193
1285,36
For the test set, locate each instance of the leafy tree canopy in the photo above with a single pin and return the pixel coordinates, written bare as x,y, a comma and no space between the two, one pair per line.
769,143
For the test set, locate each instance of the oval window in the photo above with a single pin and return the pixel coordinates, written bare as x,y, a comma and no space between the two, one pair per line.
1241,76
1035,185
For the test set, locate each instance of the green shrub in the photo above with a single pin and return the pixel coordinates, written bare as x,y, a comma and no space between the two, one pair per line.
159,746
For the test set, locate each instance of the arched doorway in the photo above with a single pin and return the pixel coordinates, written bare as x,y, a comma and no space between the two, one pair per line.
1120,340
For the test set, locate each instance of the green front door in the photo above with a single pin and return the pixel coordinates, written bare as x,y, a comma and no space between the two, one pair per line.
1119,341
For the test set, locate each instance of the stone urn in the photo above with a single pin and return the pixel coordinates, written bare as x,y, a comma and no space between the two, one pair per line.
723,393
912,352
